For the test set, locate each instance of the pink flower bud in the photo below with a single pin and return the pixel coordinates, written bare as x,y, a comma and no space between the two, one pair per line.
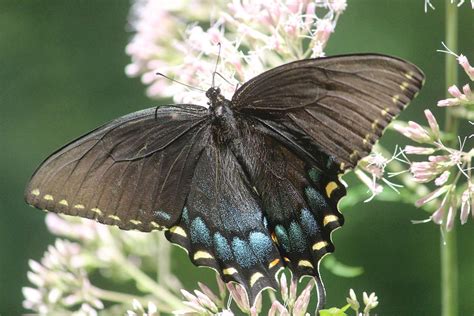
467,92
278,307
253,311
283,287
450,218
465,206
293,288
239,295
454,91
294,6
205,301
221,285
414,131
438,216
448,102
431,196
439,158
442,178
466,66
433,123
301,303
206,290
324,28
414,150
310,10
189,296
424,171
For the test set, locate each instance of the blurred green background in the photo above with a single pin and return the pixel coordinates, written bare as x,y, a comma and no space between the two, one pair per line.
62,74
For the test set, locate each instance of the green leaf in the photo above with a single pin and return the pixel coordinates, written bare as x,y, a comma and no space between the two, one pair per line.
340,269
334,311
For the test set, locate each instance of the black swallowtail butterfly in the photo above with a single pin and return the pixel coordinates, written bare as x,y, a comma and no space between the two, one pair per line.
249,185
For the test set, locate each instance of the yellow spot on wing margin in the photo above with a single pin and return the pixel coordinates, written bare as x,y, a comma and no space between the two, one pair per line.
178,231
330,187
273,263
305,263
114,217
229,271
374,125
255,277
135,222
48,197
35,192
319,245
329,219
395,98
202,255
96,210
64,202
79,206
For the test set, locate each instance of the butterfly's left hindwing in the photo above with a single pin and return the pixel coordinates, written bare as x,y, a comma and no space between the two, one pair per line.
134,172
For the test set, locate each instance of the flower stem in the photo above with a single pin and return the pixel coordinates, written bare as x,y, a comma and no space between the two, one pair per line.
163,261
449,268
146,283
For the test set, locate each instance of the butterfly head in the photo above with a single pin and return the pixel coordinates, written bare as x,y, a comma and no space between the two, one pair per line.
214,95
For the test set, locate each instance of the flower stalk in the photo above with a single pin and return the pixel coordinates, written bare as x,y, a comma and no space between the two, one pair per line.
449,268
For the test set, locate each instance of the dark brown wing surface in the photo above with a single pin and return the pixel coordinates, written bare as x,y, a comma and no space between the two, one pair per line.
223,224
134,172
340,104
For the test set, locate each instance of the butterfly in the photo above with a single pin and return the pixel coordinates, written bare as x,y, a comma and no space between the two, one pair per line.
247,186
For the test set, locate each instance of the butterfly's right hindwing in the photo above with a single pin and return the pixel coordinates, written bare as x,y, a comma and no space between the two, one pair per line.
134,172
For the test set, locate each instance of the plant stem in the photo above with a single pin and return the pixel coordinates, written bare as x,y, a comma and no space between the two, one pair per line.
163,260
148,284
123,298
449,268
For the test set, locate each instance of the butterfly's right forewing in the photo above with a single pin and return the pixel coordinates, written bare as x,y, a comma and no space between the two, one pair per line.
337,105
134,172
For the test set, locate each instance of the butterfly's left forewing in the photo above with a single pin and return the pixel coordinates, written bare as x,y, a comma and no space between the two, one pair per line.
134,172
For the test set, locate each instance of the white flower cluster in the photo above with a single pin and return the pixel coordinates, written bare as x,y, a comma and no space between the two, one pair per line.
177,40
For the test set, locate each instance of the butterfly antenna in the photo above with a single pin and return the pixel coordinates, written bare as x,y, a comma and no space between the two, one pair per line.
223,78
237,87
174,80
217,63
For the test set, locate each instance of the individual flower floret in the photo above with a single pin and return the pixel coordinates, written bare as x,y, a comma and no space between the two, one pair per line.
418,133
459,98
467,202
370,302
466,97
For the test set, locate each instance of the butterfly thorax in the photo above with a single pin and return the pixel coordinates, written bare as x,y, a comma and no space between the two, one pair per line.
224,125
